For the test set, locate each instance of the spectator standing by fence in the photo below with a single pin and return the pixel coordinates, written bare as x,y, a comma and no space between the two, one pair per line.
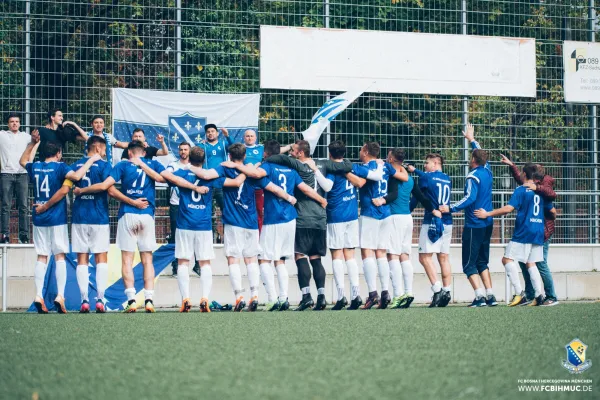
15,182
98,130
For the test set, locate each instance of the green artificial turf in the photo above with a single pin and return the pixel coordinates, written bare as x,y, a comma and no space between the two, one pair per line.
417,353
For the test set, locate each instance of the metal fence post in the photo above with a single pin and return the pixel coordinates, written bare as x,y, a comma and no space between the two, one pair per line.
28,67
4,279
178,55
595,231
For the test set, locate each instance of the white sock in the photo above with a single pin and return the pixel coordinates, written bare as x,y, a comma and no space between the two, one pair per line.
536,279
447,288
253,278
235,277
205,280
101,279
83,281
370,270
338,276
283,280
489,292
384,273
479,293
183,280
130,293
148,293
268,277
513,276
39,275
436,287
353,277
396,272
408,276
61,277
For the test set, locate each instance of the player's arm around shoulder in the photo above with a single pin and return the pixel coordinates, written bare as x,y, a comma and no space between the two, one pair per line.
153,169
312,194
279,192
235,182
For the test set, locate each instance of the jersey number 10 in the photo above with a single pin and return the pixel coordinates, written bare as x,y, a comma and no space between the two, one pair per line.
443,194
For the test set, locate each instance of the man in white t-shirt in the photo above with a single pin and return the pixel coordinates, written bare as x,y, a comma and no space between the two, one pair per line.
14,178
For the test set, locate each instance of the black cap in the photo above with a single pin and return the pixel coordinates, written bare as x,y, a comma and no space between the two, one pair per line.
95,117
208,126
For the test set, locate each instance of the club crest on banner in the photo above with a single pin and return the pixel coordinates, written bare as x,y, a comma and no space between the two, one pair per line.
185,127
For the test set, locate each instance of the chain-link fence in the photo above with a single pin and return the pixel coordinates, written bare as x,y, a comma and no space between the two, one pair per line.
70,53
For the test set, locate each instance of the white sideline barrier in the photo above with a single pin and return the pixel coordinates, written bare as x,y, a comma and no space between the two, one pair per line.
574,267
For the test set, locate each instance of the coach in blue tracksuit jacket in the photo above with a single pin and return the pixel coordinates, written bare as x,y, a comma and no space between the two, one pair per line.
477,232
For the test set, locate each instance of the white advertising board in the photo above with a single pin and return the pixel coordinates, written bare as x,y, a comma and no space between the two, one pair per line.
396,62
581,62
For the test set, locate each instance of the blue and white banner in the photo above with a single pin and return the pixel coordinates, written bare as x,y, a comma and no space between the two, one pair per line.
180,116
114,296
326,114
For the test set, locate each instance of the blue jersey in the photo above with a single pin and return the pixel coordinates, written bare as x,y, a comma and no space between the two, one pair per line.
529,224
92,208
254,154
239,204
373,190
342,199
401,206
215,154
136,185
478,194
195,209
47,179
277,210
437,187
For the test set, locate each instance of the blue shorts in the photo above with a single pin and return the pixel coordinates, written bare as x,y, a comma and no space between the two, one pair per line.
476,249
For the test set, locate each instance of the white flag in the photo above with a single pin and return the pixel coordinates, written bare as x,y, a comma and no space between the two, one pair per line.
326,114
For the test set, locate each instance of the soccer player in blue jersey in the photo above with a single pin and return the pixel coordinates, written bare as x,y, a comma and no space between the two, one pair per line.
89,216
278,235
477,233
193,236
254,155
401,226
241,225
375,227
527,243
342,222
136,226
437,187
310,243
50,232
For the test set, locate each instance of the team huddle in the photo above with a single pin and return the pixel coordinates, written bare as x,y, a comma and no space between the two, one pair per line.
309,206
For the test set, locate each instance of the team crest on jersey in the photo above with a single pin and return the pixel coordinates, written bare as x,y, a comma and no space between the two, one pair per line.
185,127
576,362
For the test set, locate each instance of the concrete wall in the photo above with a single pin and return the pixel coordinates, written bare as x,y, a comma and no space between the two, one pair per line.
575,270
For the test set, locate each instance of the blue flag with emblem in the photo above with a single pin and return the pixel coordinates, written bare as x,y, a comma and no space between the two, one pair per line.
115,293
180,116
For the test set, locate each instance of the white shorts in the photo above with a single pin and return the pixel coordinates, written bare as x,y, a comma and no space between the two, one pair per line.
241,242
277,241
524,252
374,233
190,243
50,240
401,227
136,232
442,245
342,235
93,239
